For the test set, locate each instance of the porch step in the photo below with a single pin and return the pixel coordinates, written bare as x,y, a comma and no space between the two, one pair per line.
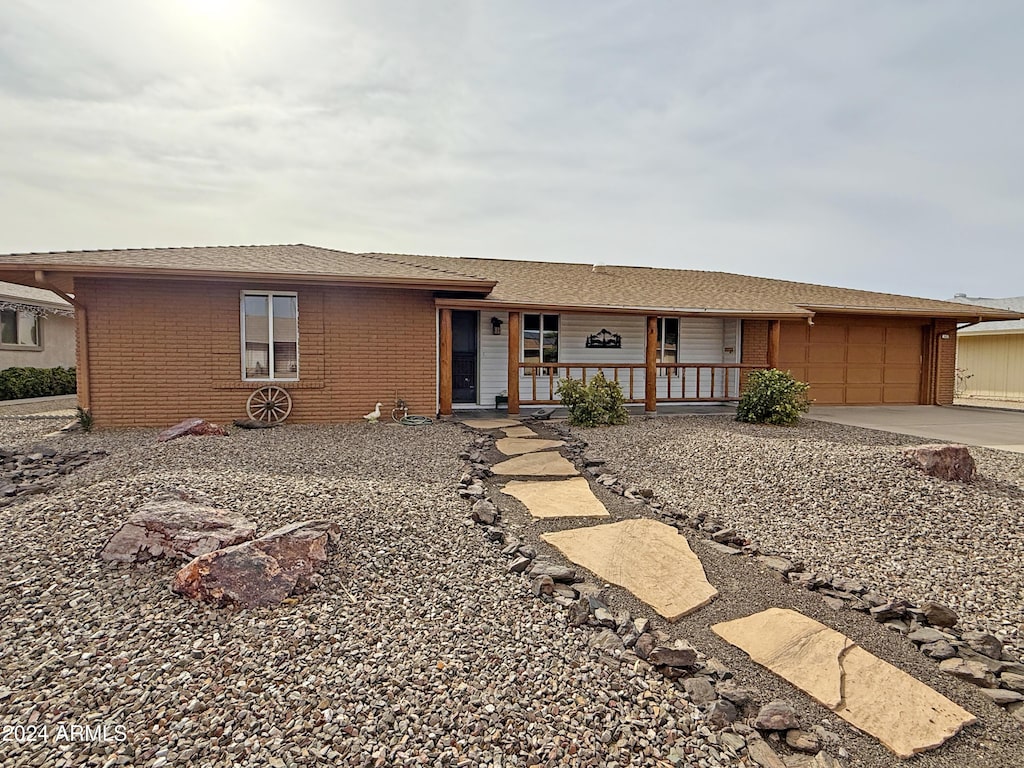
514,446
903,713
650,559
556,498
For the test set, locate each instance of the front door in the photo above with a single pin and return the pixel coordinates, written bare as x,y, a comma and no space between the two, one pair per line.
465,334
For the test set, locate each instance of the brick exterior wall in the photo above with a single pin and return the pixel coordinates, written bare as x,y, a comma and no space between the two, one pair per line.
946,363
162,351
755,342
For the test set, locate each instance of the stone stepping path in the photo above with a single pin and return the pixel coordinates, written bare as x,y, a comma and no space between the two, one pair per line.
514,446
490,423
542,464
900,711
557,498
650,559
655,563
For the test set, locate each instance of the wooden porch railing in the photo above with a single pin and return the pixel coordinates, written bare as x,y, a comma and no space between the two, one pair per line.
706,382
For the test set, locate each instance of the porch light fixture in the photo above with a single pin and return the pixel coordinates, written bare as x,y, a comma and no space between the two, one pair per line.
496,326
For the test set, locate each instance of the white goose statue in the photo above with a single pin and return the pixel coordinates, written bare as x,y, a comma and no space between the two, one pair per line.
373,415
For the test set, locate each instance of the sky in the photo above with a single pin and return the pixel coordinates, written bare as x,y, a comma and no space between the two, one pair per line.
872,145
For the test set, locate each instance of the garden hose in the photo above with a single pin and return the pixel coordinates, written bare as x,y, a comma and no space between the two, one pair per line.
415,421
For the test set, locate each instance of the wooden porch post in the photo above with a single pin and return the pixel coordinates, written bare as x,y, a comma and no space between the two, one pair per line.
513,362
445,363
774,338
651,375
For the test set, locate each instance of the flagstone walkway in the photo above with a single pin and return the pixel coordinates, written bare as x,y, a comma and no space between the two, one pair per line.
648,558
655,563
870,694
556,498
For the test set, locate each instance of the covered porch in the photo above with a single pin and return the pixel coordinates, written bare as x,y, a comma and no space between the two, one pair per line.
490,356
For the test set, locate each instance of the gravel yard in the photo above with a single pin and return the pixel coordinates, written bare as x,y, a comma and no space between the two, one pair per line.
842,500
15,430
418,649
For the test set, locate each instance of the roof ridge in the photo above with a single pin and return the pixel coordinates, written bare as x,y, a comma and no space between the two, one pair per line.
158,248
397,258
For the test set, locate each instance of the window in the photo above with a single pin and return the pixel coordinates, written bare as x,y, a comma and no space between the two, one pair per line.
668,344
20,329
270,335
540,339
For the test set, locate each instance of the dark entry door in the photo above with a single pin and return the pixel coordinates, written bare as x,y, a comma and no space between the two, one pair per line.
465,334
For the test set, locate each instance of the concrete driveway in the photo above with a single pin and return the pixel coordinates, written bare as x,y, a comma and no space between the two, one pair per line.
972,426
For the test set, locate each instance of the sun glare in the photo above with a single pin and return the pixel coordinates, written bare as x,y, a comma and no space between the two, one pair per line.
213,10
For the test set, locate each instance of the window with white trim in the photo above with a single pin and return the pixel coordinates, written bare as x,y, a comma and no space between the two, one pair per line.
540,340
20,329
668,344
270,336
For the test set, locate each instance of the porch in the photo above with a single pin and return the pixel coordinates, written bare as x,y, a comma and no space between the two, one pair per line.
518,357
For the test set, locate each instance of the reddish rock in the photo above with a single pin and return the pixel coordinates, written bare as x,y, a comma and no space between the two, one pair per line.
776,716
672,657
197,427
944,461
260,572
173,527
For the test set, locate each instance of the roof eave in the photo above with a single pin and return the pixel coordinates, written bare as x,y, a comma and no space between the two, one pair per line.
966,314
514,306
472,285
982,331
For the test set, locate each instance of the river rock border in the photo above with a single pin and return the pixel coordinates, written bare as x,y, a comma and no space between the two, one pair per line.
617,635
979,658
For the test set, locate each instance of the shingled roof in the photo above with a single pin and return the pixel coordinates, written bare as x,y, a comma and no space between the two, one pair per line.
1012,303
281,261
595,287
508,283
26,295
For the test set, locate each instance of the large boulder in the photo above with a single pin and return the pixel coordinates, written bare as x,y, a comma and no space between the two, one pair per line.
197,427
260,572
944,461
174,527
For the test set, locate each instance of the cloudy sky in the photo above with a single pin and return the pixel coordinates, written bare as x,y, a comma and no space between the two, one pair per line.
873,145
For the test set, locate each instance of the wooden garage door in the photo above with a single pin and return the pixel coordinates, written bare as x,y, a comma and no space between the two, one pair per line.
855,361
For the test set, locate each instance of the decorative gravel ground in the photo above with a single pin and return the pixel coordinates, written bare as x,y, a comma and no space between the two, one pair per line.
25,430
844,501
418,650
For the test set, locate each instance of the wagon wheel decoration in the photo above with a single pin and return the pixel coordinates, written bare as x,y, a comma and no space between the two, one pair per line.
269,404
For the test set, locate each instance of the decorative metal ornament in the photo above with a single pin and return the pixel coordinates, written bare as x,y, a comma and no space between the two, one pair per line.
604,339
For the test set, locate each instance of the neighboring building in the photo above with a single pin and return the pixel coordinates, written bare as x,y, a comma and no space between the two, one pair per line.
990,356
170,333
37,328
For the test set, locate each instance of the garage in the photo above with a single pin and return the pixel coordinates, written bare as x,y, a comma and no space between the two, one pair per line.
854,361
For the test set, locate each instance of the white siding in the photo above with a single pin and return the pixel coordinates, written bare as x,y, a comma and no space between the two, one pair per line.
702,340
492,371
573,330
992,366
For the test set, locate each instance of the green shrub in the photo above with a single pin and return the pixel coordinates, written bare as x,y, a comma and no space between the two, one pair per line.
18,383
84,419
594,404
772,397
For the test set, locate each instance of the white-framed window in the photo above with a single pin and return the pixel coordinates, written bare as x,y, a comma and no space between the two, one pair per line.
20,329
540,339
270,335
668,344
